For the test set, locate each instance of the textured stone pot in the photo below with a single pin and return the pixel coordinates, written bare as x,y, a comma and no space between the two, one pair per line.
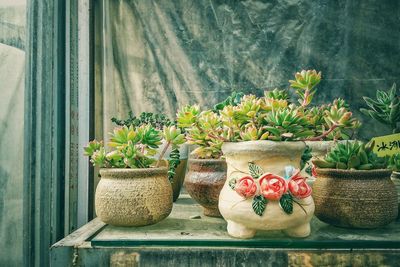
356,198
204,182
272,157
396,180
133,197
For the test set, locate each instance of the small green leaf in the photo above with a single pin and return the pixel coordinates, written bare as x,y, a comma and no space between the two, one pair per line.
232,183
255,170
259,204
286,203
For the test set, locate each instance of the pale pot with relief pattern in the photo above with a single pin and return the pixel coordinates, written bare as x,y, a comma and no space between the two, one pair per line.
259,195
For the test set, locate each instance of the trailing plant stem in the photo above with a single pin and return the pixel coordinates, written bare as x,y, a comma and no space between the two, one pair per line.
323,135
163,153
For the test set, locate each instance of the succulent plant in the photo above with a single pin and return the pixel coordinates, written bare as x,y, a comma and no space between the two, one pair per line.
158,121
133,147
352,156
394,162
232,100
203,128
277,94
305,85
270,117
385,108
287,124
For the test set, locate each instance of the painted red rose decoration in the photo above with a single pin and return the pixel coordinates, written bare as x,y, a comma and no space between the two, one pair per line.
270,187
298,186
246,187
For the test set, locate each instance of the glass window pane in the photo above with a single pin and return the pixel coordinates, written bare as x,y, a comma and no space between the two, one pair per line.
12,78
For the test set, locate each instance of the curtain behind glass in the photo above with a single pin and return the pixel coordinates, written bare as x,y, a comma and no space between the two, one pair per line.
157,55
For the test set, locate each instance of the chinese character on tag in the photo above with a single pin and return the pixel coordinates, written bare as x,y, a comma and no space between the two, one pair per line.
387,145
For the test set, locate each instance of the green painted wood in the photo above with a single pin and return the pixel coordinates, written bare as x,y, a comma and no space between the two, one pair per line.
44,130
79,113
221,257
182,241
180,230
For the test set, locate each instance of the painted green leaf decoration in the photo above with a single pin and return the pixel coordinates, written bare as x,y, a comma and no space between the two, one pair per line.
255,170
232,183
259,204
286,203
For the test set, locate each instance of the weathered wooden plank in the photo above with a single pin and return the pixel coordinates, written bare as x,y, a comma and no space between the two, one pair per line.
249,257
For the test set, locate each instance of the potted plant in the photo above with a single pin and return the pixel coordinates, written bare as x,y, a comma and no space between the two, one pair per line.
264,190
134,189
206,170
353,187
177,157
271,133
394,165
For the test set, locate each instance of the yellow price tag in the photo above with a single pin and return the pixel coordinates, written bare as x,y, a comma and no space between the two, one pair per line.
387,145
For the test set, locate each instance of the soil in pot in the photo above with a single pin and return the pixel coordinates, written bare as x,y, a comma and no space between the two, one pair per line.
133,197
355,199
204,181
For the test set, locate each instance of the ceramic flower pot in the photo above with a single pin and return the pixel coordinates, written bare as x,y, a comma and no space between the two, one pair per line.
133,197
355,198
204,181
396,180
262,192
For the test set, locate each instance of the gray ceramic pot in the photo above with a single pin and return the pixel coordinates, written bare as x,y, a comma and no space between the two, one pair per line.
133,197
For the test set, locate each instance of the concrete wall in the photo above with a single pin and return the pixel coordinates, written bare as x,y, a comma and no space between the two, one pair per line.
12,64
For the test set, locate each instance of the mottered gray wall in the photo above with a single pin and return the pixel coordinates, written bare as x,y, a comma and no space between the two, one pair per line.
156,55
12,75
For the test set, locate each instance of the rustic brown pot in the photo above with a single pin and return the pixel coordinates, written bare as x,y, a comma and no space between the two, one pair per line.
204,182
178,179
396,180
355,198
133,197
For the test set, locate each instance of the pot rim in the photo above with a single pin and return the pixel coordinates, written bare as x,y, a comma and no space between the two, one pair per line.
132,173
272,147
204,160
339,173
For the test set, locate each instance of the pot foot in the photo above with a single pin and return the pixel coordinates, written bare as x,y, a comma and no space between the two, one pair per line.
239,230
212,212
299,231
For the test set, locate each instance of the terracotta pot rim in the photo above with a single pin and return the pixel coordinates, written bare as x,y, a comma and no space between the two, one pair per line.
273,147
339,173
132,173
